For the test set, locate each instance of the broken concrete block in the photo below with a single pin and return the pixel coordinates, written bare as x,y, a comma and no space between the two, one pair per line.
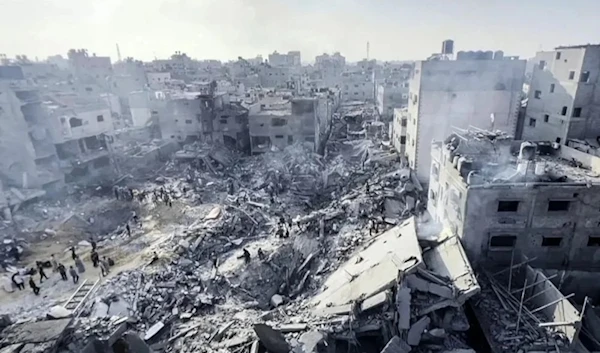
276,300
396,345
152,331
310,340
58,312
403,298
273,340
286,328
375,301
214,213
416,331
422,285
437,333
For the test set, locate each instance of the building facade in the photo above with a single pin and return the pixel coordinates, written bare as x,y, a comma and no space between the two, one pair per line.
292,58
563,101
445,94
391,95
503,197
398,130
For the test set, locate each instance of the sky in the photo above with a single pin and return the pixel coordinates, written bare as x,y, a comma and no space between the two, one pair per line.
226,29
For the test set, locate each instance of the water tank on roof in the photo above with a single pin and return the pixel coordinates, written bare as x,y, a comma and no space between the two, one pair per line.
448,46
461,55
488,55
499,55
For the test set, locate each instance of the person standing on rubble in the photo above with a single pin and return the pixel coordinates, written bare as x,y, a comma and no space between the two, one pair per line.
128,229
94,244
73,274
79,265
104,267
116,191
62,271
215,262
40,266
261,254
95,258
54,263
34,287
73,254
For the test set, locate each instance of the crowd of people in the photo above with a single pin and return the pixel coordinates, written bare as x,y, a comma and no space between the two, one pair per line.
78,267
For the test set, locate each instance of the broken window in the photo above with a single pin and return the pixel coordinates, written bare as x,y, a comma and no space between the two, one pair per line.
552,86
542,64
309,139
571,75
403,122
593,241
279,136
584,76
278,122
403,140
554,206
188,121
551,241
100,118
558,55
74,122
563,112
435,171
576,112
537,94
290,139
508,206
223,121
532,122
546,118
503,241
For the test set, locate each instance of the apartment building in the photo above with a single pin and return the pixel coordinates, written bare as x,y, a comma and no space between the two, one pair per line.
82,137
391,95
398,129
357,87
278,122
502,196
444,94
29,159
292,58
563,101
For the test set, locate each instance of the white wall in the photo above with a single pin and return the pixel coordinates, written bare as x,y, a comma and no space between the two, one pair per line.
91,126
157,80
448,94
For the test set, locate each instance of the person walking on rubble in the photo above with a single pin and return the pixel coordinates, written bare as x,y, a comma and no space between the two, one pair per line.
63,272
79,265
128,229
40,266
116,191
73,254
261,254
34,287
73,274
246,256
18,281
94,244
215,261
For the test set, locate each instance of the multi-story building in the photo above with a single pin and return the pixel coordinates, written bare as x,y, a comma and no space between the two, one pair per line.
564,99
330,68
357,87
29,158
81,134
444,94
501,197
279,122
391,95
158,80
90,68
292,58
274,76
398,129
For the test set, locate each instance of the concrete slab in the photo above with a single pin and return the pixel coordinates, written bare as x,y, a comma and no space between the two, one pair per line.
35,332
396,345
416,331
449,260
403,298
273,340
422,285
394,250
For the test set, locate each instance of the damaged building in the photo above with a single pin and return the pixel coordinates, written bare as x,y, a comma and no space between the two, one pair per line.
443,94
279,122
500,196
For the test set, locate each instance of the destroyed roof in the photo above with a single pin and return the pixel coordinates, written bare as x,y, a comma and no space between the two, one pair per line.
492,158
374,269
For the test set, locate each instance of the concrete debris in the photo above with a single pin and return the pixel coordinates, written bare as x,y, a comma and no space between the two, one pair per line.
416,331
152,331
311,340
273,340
396,345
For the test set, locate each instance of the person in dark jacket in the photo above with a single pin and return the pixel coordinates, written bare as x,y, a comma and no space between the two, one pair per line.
62,271
36,289
73,274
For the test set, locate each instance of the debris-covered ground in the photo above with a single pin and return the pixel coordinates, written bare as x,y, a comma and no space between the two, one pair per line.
284,251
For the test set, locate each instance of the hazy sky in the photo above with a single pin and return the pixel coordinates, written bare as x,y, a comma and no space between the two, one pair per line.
225,29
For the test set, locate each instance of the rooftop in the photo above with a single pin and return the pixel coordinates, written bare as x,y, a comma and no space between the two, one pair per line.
492,158
581,46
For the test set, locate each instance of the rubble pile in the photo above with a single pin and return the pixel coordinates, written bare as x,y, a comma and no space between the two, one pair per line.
510,324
